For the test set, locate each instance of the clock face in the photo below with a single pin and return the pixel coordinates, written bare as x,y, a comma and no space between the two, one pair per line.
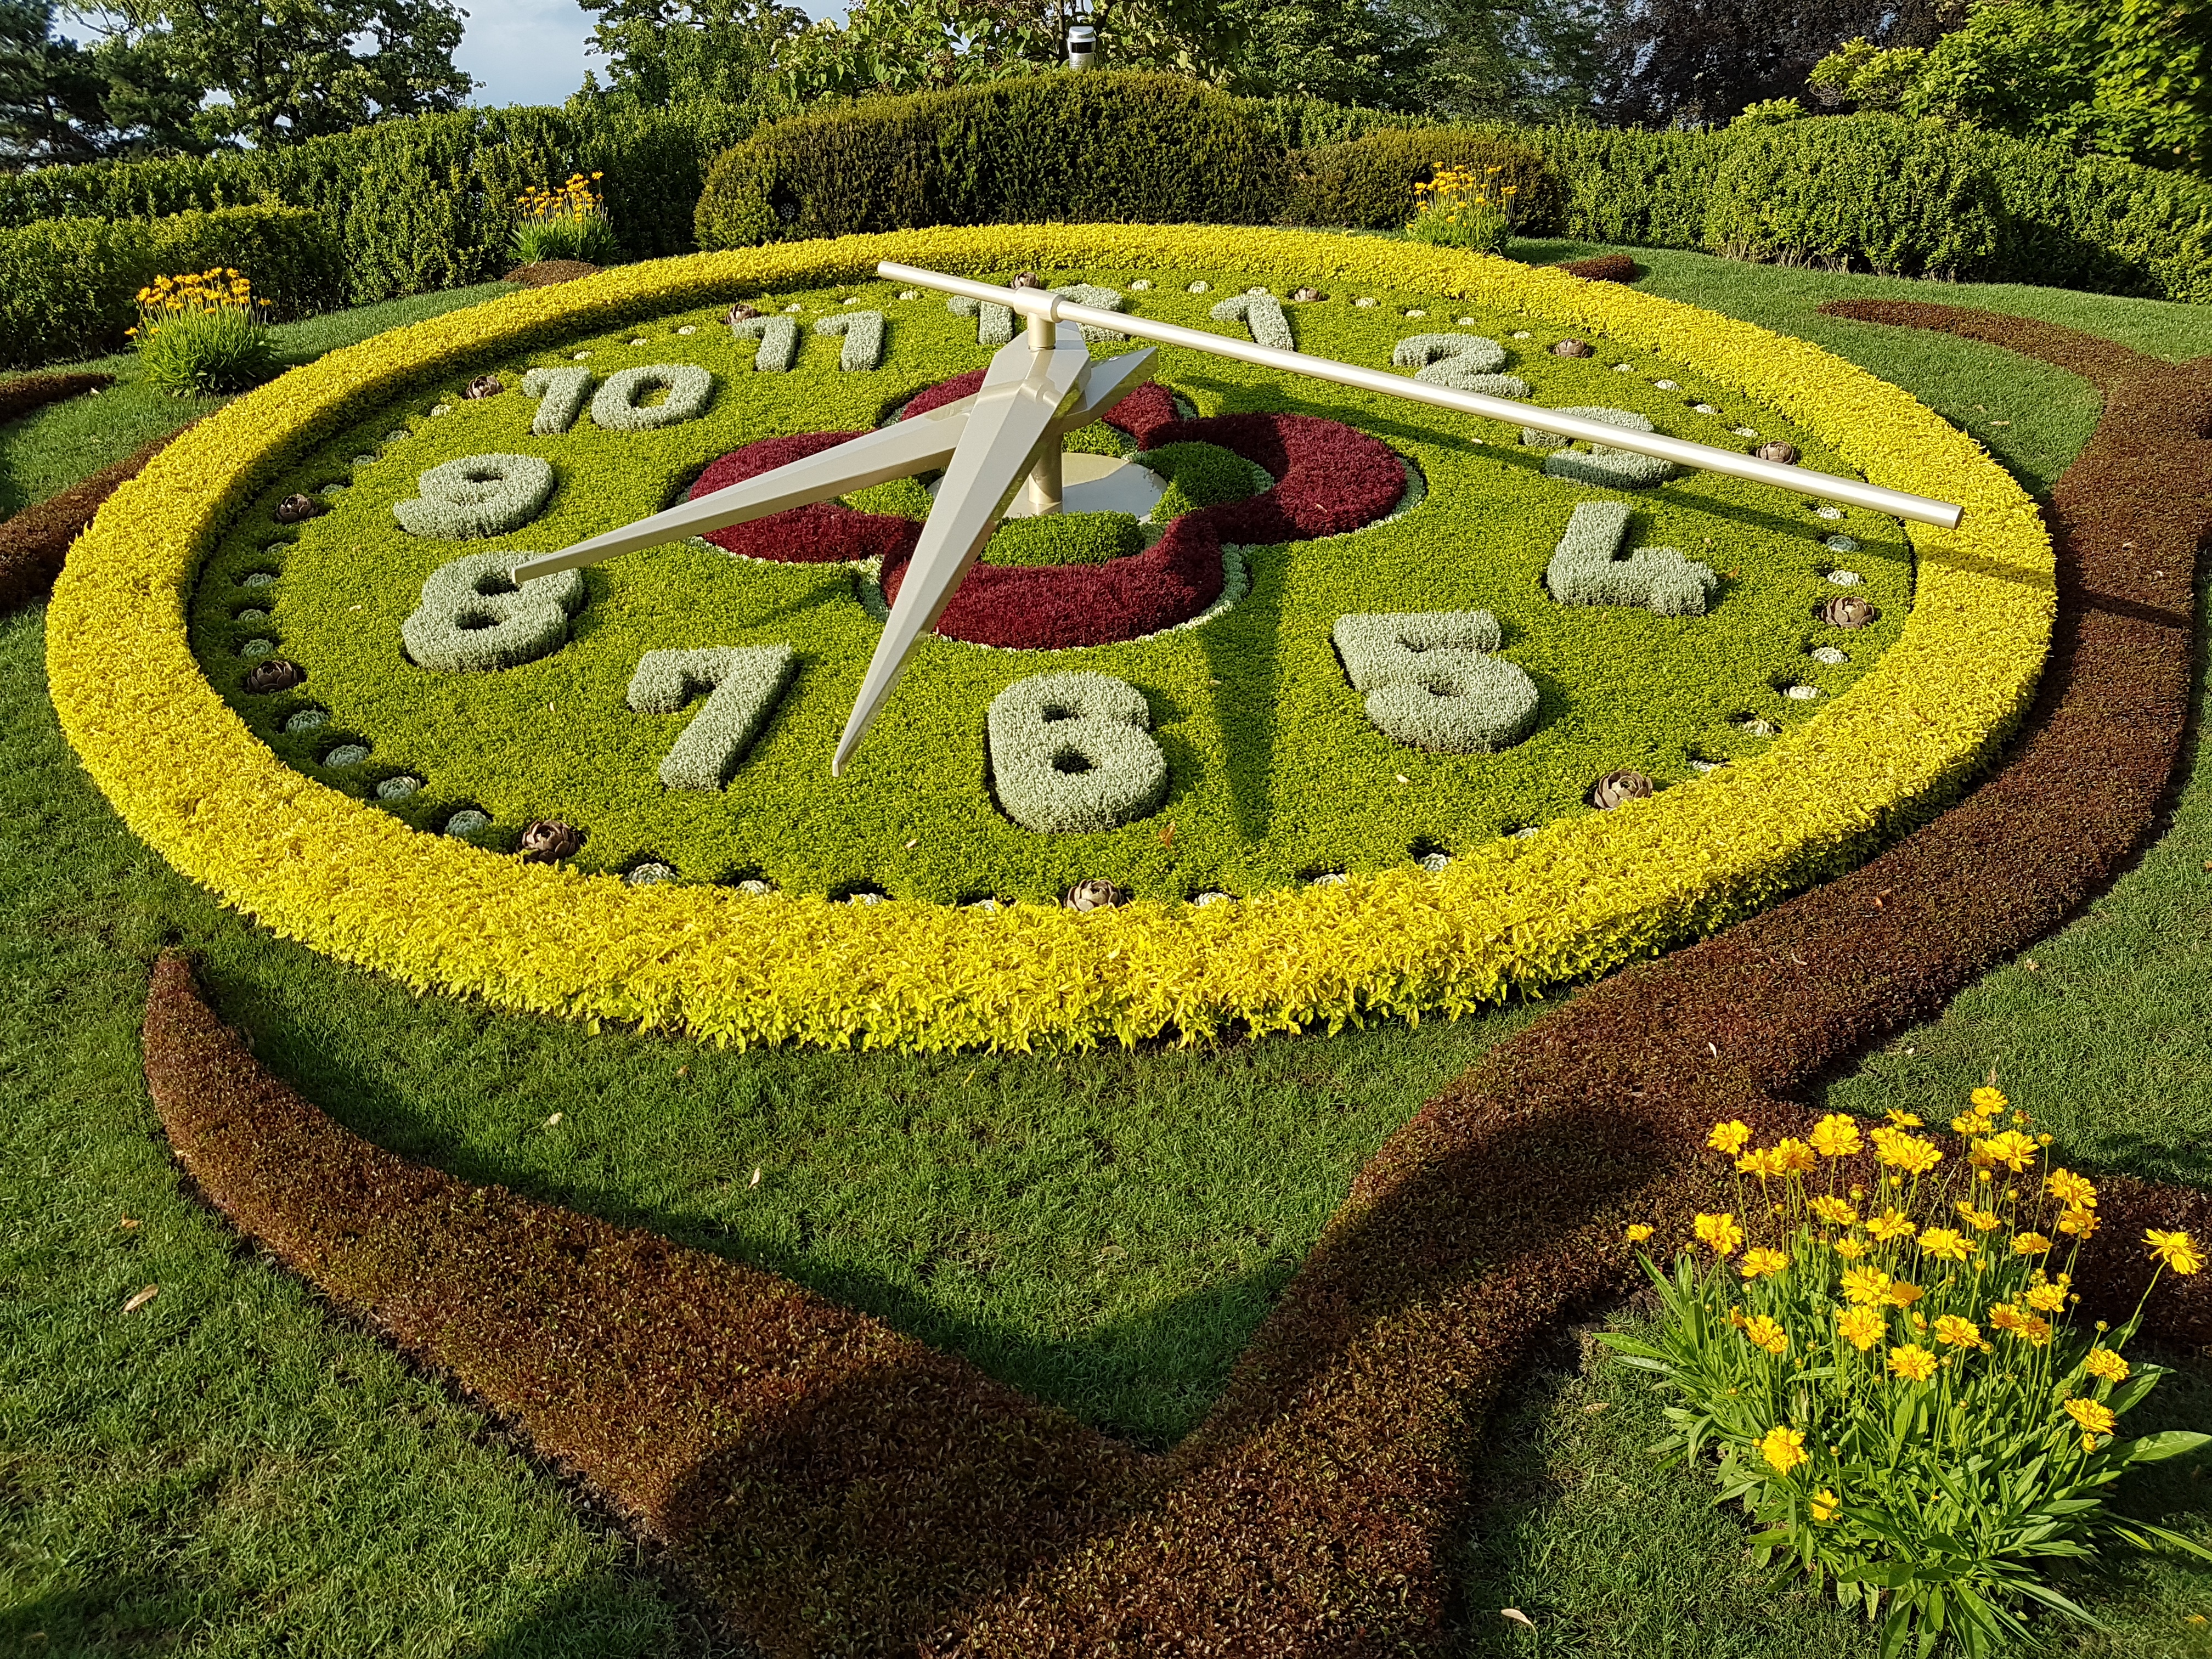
1241,538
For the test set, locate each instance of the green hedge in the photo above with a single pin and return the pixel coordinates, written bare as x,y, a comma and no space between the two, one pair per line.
1629,186
1881,192
1291,123
1864,192
67,286
2057,219
425,203
1142,148
1368,183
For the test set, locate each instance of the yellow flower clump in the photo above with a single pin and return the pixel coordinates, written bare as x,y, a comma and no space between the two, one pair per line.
574,201
1467,205
218,290
1909,1308
1587,893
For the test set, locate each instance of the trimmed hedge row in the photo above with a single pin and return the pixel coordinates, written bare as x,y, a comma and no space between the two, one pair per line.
67,286
1871,191
426,203
907,1504
1145,149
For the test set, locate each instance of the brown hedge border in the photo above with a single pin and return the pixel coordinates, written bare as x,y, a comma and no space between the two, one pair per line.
34,542
1604,268
835,1488
26,392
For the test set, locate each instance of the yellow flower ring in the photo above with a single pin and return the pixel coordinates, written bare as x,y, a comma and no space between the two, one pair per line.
1584,895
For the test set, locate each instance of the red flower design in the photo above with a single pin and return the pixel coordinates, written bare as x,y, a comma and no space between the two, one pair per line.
1328,479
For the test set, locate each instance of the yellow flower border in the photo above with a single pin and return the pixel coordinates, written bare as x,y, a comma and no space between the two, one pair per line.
1582,896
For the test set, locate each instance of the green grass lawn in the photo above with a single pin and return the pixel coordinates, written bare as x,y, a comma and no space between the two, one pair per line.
229,1471
64,443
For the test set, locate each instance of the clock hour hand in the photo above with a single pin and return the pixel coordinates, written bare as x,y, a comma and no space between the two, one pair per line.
920,443
1029,385
900,450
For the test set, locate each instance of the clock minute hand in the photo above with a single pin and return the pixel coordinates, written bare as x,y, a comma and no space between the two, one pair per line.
1030,384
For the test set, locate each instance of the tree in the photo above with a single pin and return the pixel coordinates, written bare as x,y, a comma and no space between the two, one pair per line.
672,51
280,71
50,108
2127,79
917,45
1347,51
1674,62
1504,59
912,46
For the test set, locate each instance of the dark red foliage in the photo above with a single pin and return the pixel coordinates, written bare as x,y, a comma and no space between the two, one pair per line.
834,1488
846,1486
1329,479
946,391
821,534
1603,268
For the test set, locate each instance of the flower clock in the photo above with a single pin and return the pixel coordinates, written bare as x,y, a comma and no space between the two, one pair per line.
1328,703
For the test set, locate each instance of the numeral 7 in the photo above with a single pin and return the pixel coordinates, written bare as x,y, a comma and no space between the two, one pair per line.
743,684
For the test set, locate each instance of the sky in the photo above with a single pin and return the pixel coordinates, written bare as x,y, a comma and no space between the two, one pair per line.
532,52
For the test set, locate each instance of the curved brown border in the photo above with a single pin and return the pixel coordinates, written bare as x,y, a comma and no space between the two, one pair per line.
836,1488
34,542
26,392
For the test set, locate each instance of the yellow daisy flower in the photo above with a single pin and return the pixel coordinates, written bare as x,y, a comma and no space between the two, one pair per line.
1912,1362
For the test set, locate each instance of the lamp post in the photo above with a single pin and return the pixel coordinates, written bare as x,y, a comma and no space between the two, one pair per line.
1080,31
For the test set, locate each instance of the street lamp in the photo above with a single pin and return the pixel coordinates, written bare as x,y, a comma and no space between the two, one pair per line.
1081,33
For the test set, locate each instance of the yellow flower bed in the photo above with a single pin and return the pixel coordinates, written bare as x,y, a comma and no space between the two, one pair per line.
1582,896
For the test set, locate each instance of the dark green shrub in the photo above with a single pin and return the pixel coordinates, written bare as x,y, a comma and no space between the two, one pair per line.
67,286
1139,149
1866,191
1622,185
425,203
1368,183
1308,124
2102,224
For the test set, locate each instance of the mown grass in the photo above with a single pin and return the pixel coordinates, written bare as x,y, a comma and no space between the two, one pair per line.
227,1471
53,448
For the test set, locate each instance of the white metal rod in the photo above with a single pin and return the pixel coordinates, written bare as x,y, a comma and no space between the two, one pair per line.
1041,302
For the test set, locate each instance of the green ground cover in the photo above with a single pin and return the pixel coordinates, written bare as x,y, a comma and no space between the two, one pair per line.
1276,772
227,1471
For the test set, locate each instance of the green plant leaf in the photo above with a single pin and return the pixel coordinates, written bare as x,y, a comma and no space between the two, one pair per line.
2156,1448
2139,1532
